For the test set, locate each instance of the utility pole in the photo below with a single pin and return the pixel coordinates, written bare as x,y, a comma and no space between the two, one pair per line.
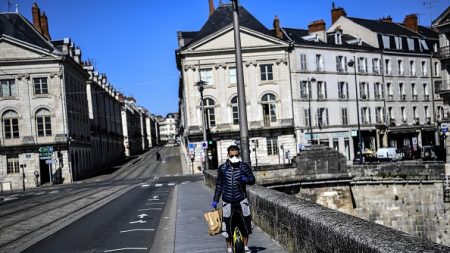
243,125
352,63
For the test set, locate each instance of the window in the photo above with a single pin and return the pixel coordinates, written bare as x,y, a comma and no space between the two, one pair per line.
272,146
306,114
266,72
210,116
386,42
235,110
403,111
410,44
376,66
437,69
401,89
319,62
424,68
390,91
400,68
8,88
398,43
322,117
40,86
303,66
388,67
206,76
423,45
391,114
341,64
362,65
43,123
427,115
269,105
365,115
10,121
336,144
379,90
321,90
344,116
232,75
379,115
342,90
364,90
426,94
440,112
347,148
12,164
338,38
412,67
415,114
414,91
305,90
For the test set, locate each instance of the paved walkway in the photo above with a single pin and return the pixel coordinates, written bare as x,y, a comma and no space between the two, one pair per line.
191,235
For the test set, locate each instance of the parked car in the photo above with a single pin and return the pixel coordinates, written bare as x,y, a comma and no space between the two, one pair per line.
428,153
365,158
391,154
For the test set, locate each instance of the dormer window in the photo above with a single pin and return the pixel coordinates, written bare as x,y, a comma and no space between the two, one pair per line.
410,44
338,38
398,43
423,45
386,42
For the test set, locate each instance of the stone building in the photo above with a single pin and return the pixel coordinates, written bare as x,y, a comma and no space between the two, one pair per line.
168,128
208,55
132,125
301,88
152,129
42,104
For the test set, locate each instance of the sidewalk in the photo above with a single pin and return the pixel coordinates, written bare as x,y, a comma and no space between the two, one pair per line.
194,199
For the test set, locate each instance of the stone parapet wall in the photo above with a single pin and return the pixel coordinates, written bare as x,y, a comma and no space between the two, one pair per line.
404,170
303,226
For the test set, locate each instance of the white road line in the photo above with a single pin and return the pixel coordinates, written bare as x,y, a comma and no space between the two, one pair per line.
150,209
122,249
161,193
9,198
148,204
157,199
136,230
171,184
158,185
184,182
138,221
145,185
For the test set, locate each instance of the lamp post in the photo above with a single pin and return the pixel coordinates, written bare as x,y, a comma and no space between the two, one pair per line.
200,88
352,63
243,125
311,136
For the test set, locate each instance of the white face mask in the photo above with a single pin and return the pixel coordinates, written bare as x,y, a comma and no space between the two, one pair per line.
234,159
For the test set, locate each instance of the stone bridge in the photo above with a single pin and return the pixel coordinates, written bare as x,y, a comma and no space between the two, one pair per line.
322,205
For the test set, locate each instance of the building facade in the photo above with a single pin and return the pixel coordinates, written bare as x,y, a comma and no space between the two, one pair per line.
168,128
312,86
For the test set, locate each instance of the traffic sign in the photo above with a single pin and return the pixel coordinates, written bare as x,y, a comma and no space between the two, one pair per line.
191,146
48,149
50,161
45,157
204,144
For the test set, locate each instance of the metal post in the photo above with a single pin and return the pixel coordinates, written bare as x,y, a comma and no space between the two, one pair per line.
23,176
243,125
311,136
50,172
353,64
205,138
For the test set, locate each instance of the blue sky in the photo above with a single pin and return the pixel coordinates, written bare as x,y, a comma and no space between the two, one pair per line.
134,41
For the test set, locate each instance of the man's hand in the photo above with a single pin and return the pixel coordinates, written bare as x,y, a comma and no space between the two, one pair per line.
242,179
214,204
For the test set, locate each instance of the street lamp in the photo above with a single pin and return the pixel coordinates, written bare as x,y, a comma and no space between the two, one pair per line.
243,125
352,63
200,86
310,80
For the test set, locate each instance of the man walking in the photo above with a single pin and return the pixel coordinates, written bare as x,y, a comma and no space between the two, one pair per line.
232,176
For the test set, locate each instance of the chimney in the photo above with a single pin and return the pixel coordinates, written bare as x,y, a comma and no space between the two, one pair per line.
44,26
276,26
411,22
336,13
317,26
36,17
387,19
211,7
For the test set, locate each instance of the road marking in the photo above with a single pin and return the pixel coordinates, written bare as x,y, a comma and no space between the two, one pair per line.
148,204
141,216
53,192
150,209
39,193
145,185
158,185
161,193
138,221
122,249
185,182
139,229
171,184
12,197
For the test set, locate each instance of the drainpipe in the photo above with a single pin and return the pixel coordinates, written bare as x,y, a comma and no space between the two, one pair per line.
436,131
63,96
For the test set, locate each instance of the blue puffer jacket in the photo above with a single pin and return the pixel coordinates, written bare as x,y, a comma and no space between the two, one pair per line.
228,184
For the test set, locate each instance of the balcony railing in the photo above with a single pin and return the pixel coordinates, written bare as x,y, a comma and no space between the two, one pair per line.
444,52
